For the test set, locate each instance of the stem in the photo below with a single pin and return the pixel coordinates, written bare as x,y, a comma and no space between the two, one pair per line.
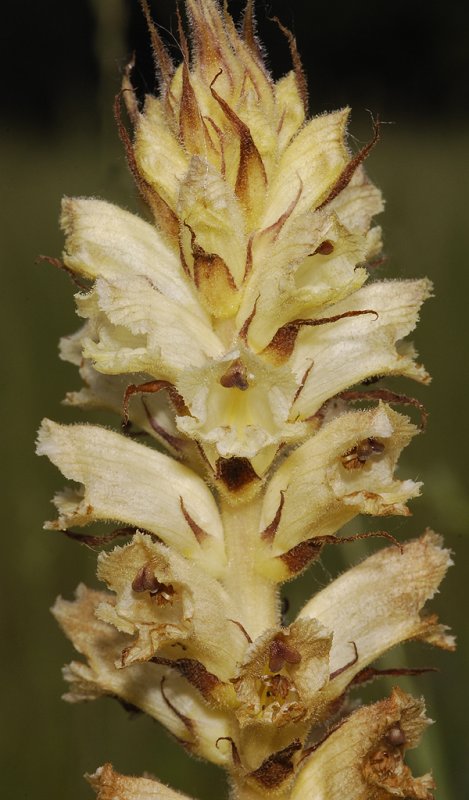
255,598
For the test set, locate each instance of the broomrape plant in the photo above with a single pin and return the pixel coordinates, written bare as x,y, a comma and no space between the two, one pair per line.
236,330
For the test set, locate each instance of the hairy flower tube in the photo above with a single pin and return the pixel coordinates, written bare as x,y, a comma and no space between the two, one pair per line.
234,330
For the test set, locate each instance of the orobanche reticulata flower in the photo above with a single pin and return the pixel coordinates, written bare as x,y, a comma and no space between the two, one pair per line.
234,329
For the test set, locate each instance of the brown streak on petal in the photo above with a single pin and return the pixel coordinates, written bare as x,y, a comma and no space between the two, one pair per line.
268,534
236,473
370,673
163,64
302,384
309,750
185,720
277,226
198,532
347,173
164,215
251,170
388,397
234,749
346,666
300,75
242,629
249,31
99,541
244,330
283,342
220,136
277,767
174,441
193,671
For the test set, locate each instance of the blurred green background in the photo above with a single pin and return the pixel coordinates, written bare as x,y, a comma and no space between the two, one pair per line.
62,68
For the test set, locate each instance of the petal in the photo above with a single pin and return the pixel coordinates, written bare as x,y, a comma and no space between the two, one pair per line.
359,760
358,202
243,419
175,338
211,210
290,280
110,785
350,350
104,240
290,109
380,603
163,598
322,490
144,686
313,161
159,155
134,484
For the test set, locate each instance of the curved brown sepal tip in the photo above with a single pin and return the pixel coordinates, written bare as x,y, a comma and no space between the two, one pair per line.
300,75
347,173
283,342
187,722
268,534
198,532
236,473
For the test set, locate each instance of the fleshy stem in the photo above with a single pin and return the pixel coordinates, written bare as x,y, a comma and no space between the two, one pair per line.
255,597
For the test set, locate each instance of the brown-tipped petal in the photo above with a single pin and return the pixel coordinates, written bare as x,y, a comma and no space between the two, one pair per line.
322,491
140,685
363,758
381,603
163,599
110,785
135,484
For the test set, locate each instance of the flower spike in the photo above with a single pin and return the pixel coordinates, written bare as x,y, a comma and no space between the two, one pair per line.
232,332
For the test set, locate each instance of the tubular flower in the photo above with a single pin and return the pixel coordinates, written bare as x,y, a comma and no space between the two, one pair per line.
235,329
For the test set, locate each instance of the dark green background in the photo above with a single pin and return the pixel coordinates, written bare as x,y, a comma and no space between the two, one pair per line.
62,65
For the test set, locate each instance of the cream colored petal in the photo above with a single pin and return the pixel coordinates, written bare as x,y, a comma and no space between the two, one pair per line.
104,240
144,686
242,422
313,161
175,338
346,352
131,483
380,603
159,155
283,290
184,606
323,486
360,760
212,211
290,109
358,203
110,785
